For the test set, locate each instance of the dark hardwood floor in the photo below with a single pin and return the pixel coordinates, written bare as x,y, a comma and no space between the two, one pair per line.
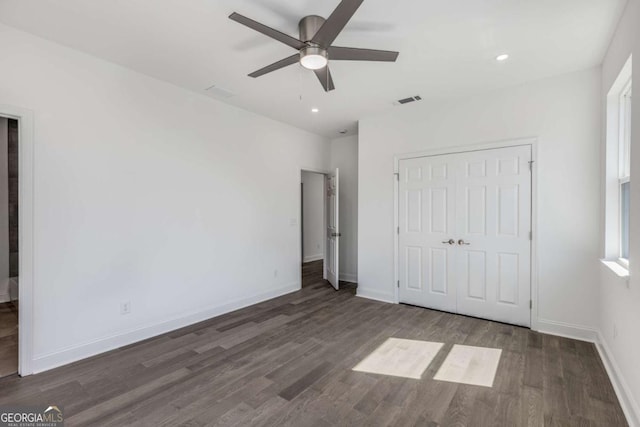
8,339
312,276
312,273
289,361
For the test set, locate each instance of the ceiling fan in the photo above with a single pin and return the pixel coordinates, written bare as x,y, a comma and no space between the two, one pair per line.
315,43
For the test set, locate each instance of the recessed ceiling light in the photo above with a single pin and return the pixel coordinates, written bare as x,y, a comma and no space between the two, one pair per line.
502,57
314,110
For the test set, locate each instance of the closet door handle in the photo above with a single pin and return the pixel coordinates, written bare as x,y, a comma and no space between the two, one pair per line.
462,242
450,242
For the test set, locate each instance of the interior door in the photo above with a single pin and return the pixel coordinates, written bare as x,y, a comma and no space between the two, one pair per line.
427,232
464,233
333,229
493,217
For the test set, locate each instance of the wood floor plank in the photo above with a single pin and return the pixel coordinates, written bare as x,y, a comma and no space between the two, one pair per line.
289,362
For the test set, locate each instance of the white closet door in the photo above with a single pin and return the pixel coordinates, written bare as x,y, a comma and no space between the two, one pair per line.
427,215
493,221
482,201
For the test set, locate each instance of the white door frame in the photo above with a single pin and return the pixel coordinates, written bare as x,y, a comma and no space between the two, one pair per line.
531,141
324,219
25,234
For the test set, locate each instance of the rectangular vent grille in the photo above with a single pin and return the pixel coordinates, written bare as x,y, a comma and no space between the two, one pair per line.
408,100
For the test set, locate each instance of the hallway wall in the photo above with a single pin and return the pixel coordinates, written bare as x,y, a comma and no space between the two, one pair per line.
313,216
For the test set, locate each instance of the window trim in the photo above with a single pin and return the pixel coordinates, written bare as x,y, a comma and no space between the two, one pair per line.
624,131
624,152
617,165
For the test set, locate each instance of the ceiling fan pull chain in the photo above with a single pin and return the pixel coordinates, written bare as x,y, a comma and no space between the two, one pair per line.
300,82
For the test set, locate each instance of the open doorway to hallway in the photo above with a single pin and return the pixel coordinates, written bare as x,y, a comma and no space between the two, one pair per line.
320,231
9,258
312,226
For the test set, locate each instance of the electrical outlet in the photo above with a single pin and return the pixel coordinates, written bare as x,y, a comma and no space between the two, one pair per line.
318,246
275,273
125,307
615,331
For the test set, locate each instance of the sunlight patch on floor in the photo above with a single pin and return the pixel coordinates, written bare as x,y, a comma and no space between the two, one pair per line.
400,358
470,365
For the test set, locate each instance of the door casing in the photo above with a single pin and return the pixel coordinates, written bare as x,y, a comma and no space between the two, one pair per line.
25,233
531,141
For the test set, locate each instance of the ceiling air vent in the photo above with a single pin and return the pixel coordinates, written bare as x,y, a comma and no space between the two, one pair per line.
408,100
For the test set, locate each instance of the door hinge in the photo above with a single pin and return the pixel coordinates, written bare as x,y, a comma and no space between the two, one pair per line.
398,283
397,174
530,304
531,164
531,235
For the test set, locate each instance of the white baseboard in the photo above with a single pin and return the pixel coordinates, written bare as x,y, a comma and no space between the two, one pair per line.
348,277
374,295
310,258
74,353
567,330
629,405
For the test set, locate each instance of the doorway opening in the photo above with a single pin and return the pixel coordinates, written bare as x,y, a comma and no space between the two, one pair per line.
9,246
312,227
319,228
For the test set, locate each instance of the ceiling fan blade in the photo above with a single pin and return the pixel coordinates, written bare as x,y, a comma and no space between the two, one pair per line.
267,31
354,54
336,22
324,75
276,65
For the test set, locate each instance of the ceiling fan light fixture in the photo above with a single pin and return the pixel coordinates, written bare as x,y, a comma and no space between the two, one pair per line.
313,58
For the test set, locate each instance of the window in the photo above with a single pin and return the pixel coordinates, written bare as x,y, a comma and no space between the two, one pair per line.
618,175
624,175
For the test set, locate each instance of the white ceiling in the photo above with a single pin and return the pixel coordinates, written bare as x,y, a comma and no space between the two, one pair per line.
447,47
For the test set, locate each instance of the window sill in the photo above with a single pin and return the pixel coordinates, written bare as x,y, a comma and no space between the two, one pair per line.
617,268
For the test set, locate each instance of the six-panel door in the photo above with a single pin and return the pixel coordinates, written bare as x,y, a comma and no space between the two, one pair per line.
481,200
427,216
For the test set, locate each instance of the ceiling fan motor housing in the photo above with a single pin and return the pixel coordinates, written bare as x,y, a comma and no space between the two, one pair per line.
309,26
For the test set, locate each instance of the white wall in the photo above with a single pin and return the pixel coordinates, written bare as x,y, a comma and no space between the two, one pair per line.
564,114
4,211
313,213
344,155
619,303
148,193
